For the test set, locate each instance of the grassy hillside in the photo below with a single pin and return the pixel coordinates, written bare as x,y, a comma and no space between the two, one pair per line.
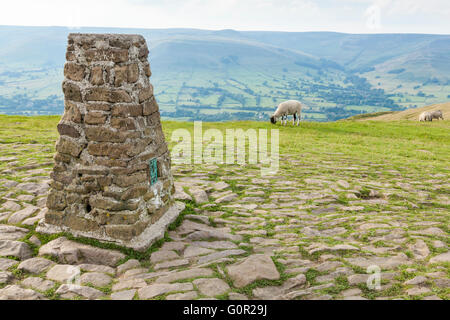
411,114
232,75
395,142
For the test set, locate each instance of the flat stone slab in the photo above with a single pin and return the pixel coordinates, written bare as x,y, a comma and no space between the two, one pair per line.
70,291
444,257
186,274
171,264
211,287
15,249
158,289
255,267
71,252
219,255
37,283
11,232
382,262
6,277
14,292
63,273
97,279
215,244
21,215
35,265
163,255
124,295
11,206
5,264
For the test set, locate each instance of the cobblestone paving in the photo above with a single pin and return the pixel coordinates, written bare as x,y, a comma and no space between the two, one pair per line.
310,232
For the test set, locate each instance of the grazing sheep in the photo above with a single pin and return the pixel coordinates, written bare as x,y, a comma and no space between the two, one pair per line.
424,116
436,115
287,108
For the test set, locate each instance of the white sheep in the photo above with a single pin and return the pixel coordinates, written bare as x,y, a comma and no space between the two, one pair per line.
287,108
424,116
436,115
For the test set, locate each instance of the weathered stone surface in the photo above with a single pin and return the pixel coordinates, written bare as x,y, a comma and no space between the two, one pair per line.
237,296
70,291
74,71
416,280
104,125
69,147
219,255
130,264
96,77
64,273
277,292
339,247
11,206
67,251
444,257
35,265
382,262
5,264
194,251
420,249
97,279
6,277
227,198
96,268
11,232
191,295
124,295
72,91
180,194
417,291
68,130
95,117
111,54
199,195
213,234
14,292
15,249
163,255
215,244
22,214
253,268
211,287
186,274
129,284
171,263
158,289
38,284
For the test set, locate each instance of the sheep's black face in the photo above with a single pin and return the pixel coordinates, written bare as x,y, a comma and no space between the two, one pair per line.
272,119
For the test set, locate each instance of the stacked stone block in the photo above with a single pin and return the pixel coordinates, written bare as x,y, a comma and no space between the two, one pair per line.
109,133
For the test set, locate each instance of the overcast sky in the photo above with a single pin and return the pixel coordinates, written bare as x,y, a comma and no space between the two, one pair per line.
352,16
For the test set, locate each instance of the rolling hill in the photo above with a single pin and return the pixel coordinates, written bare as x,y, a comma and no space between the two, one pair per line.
410,114
228,74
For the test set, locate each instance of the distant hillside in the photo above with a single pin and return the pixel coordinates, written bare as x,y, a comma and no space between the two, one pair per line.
232,75
410,114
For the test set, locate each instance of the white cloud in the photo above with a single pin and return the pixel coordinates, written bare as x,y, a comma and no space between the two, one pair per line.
287,15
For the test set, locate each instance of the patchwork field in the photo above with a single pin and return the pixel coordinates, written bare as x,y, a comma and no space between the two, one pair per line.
348,195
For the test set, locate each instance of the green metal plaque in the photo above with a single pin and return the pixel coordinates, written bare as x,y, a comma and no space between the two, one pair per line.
153,171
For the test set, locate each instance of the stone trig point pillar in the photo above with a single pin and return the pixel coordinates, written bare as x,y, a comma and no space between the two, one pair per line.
111,180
